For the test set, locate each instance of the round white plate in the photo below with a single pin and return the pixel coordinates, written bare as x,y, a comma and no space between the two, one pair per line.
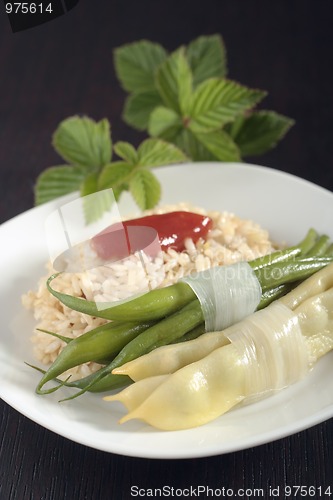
287,206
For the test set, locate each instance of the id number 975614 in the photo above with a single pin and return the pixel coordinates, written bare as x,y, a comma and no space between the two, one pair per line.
28,8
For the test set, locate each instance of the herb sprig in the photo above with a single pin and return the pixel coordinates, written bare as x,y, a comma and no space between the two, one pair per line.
186,98
188,107
87,147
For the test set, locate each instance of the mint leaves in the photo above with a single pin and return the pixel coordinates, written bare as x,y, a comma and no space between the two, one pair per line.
87,147
185,98
188,107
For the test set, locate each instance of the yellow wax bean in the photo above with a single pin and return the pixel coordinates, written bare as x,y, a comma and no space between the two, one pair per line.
192,395
315,316
202,390
169,358
132,396
317,283
265,352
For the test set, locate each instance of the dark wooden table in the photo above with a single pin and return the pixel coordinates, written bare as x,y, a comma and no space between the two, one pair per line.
65,67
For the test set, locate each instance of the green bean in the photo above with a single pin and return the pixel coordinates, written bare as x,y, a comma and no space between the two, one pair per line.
116,381
100,343
178,310
192,334
286,254
101,381
272,294
165,332
329,251
174,327
152,305
320,247
288,272
161,302
275,292
309,241
67,340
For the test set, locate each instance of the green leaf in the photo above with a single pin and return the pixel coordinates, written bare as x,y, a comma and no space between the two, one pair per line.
162,120
132,175
185,83
96,204
207,58
145,188
136,63
89,184
218,101
220,144
156,153
114,174
126,151
174,81
184,97
187,141
138,108
260,132
58,181
84,142
234,127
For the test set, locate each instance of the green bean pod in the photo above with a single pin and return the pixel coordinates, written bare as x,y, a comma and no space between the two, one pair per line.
162,302
152,305
329,251
165,332
305,246
113,381
178,310
103,342
178,324
320,247
274,293
288,272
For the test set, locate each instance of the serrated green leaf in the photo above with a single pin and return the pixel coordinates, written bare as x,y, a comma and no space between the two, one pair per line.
156,153
126,151
220,144
114,174
136,63
186,141
84,142
260,132
96,204
89,184
174,81
58,181
138,108
234,127
145,188
163,119
218,101
185,83
207,58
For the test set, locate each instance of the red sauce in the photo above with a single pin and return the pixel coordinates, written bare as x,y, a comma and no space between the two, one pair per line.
164,231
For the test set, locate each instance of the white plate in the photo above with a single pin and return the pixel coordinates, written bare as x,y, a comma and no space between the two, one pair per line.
287,206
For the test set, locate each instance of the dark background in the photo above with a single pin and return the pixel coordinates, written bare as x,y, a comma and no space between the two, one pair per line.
65,67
